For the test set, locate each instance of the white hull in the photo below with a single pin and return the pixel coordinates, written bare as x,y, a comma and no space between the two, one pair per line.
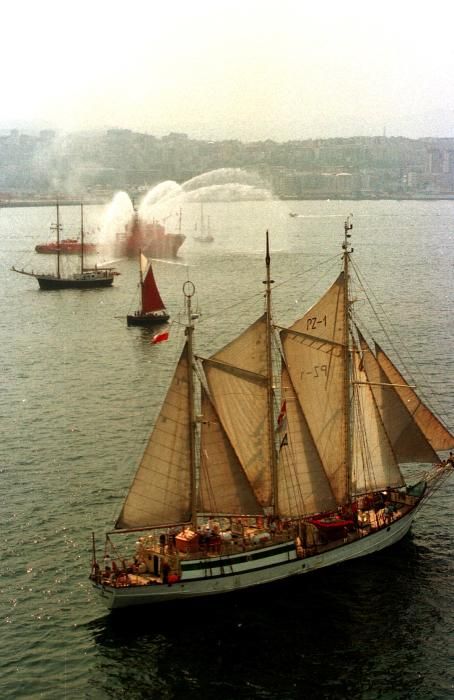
228,573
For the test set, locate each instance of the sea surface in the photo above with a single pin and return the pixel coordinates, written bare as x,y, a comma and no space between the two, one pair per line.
79,392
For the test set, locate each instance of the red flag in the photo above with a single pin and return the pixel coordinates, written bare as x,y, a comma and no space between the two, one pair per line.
282,415
159,337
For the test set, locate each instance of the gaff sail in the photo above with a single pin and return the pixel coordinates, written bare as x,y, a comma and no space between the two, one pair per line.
151,298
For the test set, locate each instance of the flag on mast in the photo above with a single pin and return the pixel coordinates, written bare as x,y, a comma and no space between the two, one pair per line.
159,338
282,417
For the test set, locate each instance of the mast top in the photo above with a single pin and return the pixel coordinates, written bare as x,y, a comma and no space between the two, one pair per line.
347,227
188,289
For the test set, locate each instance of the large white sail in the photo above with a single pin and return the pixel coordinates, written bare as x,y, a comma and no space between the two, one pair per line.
223,485
237,381
160,492
374,465
438,436
409,443
303,487
314,349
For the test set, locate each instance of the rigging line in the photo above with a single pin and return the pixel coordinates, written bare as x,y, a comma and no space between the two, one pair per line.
365,288
304,273
435,400
219,312
383,328
307,271
259,295
289,475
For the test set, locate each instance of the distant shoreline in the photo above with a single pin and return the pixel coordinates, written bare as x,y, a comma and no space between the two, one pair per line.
32,203
18,203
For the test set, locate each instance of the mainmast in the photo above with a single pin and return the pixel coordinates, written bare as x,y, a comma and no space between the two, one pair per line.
188,291
269,367
347,358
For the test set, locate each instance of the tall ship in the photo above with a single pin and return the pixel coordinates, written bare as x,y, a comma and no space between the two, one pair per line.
278,455
85,278
150,238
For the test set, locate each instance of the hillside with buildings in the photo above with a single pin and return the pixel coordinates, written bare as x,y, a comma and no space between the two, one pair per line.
37,166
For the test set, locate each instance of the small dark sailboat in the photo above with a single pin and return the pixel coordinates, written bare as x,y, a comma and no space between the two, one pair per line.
152,310
86,278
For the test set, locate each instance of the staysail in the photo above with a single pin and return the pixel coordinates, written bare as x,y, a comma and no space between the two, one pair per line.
303,486
374,465
314,350
223,485
437,435
237,381
160,492
151,299
407,439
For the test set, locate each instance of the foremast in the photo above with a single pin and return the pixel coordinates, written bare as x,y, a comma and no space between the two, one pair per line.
188,291
347,250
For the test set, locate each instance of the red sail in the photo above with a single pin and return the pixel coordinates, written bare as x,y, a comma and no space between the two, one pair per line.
151,299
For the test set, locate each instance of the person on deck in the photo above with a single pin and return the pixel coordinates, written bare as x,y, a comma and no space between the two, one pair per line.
165,571
107,565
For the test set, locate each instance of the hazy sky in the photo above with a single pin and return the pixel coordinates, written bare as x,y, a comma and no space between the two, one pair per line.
249,69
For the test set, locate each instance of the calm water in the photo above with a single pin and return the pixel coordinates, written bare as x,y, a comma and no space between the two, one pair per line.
79,393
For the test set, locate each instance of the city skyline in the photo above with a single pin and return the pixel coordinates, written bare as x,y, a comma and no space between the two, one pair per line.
248,71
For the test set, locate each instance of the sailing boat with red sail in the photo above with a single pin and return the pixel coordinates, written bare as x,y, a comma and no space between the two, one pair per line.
152,310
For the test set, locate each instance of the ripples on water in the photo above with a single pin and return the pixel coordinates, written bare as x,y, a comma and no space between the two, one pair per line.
79,393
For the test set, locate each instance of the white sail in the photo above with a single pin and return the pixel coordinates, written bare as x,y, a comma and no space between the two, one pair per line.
237,382
438,436
374,465
314,349
223,485
143,264
303,486
160,492
409,443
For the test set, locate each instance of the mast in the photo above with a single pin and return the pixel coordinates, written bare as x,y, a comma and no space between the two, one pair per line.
56,228
81,238
141,281
188,291
180,214
347,358
269,366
